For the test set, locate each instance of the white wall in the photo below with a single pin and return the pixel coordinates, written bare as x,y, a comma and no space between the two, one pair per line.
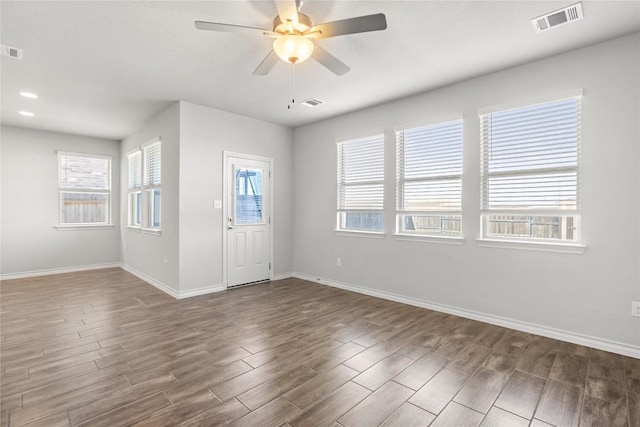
205,133
30,205
155,256
586,294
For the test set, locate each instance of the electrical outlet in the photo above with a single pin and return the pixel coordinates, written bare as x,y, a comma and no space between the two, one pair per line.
339,262
635,308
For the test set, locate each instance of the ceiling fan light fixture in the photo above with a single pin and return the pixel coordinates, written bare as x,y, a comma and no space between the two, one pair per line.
293,48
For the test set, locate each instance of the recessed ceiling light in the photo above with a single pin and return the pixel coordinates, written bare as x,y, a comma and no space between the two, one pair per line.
29,95
27,113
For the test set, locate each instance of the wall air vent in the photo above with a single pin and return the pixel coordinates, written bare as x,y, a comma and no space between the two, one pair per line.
12,52
557,18
312,102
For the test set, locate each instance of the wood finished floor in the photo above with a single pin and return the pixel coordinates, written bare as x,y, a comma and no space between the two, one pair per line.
103,348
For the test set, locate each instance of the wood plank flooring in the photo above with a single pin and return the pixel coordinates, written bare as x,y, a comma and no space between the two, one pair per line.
103,348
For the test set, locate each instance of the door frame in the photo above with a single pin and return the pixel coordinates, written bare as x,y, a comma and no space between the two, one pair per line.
226,155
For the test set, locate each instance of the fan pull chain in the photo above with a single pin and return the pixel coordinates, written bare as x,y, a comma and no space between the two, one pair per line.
290,95
289,87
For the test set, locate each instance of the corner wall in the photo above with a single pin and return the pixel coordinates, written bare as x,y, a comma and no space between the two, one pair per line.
155,257
30,243
584,295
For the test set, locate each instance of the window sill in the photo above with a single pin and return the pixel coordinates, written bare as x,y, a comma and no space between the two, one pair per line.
68,227
144,230
428,238
567,248
365,234
151,231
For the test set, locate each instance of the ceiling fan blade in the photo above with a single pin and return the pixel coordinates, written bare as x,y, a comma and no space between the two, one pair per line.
287,11
336,66
361,24
230,28
267,64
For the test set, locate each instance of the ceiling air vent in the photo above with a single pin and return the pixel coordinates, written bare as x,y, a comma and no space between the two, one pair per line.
559,17
312,102
12,52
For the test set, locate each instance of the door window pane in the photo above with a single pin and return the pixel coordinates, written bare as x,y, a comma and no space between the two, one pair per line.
248,196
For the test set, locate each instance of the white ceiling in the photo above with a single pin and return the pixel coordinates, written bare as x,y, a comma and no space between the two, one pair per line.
103,67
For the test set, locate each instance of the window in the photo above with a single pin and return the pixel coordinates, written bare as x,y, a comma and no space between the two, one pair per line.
135,188
152,181
145,187
531,172
84,186
361,184
429,180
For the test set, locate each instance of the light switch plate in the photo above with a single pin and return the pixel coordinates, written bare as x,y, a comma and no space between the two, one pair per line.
217,204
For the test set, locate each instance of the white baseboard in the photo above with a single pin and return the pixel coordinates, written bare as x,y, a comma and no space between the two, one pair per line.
153,282
572,337
48,272
282,276
201,291
169,290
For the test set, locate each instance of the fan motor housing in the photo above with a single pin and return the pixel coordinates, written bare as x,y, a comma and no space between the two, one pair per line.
304,23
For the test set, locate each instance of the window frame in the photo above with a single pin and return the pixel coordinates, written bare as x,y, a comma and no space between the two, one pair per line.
108,223
151,187
141,193
527,242
402,180
342,210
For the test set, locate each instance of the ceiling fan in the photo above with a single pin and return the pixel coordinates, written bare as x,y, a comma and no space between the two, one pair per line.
294,34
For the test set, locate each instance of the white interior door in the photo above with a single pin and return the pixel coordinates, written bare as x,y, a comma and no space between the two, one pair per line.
248,219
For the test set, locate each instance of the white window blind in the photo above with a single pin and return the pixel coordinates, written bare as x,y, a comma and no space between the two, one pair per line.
135,170
84,172
429,179
531,170
84,187
361,184
152,164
